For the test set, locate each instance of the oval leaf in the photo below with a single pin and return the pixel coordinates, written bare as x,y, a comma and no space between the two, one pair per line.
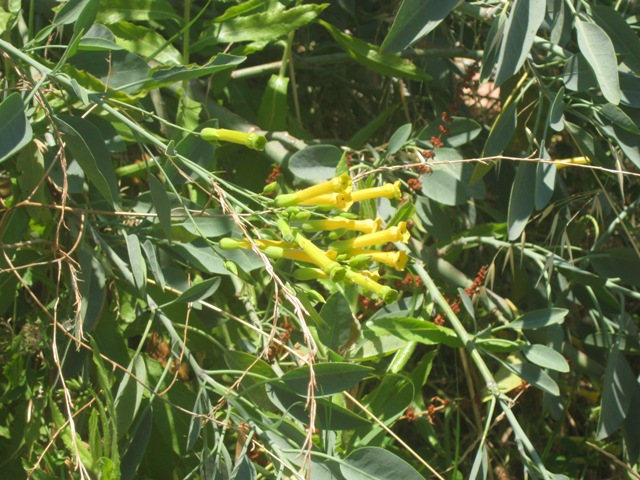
597,48
15,129
371,463
331,378
545,357
539,319
316,162
414,20
519,32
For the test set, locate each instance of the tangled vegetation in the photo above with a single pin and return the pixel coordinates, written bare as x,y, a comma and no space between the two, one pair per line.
282,239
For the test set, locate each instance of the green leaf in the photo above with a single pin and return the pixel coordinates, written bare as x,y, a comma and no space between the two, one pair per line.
577,75
619,118
414,20
624,39
331,378
119,69
461,131
211,260
630,90
399,138
598,50
374,463
145,42
129,396
618,388
369,56
556,111
75,11
315,162
501,133
417,330
88,148
330,416
138,266
260,27
545,180
113,11
449,183
162,76
15,129
241,9
339,322
534,375
92,281
150,252
628,142
520,30
138,445
433,218
161,204
522,199
539,319
200,291
274,108
545,357
244,470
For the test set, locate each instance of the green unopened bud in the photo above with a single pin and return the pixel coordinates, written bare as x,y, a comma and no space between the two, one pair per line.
306,274
271,187
232,267
254,141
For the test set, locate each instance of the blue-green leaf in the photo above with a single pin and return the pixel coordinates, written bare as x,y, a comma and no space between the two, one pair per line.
522,199
399,138
598,50
369,56
414,20
331,378
15,129
87,146
315,162
539,319
274,108
375,463
545,357
545,180
520,30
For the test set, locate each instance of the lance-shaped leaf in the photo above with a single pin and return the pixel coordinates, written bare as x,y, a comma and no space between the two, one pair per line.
369,55
520,31
15,129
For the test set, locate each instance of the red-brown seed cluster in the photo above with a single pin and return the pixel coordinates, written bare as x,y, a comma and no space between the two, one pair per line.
471,291
414,184
274,175
276,348
409,282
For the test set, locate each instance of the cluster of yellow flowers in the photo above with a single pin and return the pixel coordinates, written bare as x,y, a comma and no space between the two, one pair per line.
338,261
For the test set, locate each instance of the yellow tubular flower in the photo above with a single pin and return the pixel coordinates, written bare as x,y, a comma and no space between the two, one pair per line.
335,185
322,259
386,293
366,226
249,140
567,162
388,190
396,260
338,200
398,233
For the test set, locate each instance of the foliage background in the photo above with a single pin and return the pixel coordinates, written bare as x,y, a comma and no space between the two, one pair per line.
133,347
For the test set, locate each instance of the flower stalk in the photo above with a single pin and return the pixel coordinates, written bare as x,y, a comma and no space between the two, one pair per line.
254,141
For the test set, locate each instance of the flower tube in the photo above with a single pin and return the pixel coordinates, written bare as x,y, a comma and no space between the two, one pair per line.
396,259
338,200
386,293
388,190
335,185
398,233
322,259
567,162
249,140
337,223
274,249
